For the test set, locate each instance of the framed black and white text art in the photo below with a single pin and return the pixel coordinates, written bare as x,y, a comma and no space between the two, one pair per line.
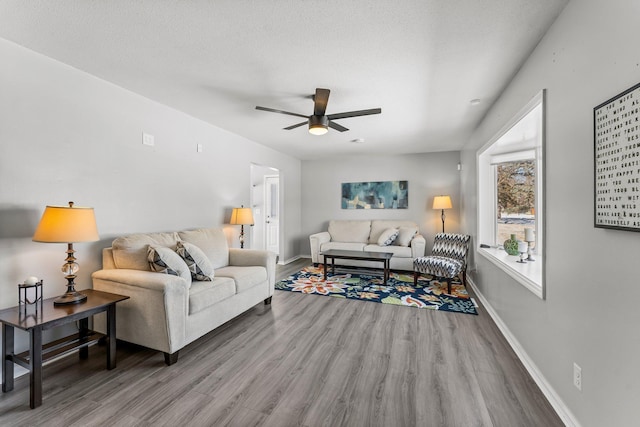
616,135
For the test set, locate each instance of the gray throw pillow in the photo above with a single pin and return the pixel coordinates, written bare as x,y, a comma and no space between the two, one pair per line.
199,265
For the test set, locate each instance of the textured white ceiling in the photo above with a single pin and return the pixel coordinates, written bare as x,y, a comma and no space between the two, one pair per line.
421,61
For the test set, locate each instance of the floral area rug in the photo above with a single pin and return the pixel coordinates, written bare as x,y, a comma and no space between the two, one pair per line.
399,289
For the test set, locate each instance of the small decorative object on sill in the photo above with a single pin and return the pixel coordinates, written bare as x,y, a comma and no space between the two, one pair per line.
511,245
23,288
528,237
522,248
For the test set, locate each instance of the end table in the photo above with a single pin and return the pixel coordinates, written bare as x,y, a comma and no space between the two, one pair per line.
49,316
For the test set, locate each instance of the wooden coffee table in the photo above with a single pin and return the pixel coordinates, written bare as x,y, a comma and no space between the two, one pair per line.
334,254
42,316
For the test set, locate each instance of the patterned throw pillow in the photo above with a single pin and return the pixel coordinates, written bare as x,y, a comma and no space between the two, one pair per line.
199,265
405,235
164,260
388,236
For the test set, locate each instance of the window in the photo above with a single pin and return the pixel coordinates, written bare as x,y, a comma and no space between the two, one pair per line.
510,193
515,194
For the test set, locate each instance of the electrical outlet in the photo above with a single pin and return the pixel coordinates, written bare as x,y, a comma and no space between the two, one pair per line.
577,376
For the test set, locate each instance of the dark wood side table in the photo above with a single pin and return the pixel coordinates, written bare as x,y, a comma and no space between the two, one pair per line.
333,254
39,317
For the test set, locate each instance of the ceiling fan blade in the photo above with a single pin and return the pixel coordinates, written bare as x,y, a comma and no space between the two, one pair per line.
272,110
320,100
296,125
337,127
354,113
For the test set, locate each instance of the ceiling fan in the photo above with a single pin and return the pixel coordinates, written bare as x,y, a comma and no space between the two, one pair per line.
319,123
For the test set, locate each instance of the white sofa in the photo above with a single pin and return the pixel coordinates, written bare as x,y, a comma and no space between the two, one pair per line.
364,235
166,312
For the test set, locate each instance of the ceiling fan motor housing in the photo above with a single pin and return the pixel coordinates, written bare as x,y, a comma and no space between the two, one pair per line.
318,125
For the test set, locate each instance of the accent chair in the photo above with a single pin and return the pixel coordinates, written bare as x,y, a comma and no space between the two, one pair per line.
448,259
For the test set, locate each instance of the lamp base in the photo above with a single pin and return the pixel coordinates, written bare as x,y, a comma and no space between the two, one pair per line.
73,297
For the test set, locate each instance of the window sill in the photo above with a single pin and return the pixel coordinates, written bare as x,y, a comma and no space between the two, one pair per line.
528,274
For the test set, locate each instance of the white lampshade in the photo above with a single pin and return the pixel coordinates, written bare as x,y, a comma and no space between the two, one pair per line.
442,202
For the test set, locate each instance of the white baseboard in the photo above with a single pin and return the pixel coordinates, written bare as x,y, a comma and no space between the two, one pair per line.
554,399
295,258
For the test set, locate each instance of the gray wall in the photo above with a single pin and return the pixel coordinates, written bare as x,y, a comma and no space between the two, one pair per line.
590,315
428,174
66,135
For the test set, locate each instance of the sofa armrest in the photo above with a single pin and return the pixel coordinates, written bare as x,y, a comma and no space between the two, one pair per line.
418,244
316,241
250,257
155,314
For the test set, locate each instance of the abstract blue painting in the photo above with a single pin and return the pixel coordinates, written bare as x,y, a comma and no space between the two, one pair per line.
375,195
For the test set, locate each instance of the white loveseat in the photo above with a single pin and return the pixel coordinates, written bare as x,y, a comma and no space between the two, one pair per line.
166,312
365,235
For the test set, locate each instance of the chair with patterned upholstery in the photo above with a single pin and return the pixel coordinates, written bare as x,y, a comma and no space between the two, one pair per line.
448,259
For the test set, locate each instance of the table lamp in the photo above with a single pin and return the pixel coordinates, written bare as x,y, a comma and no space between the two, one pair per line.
67,224
442,202
241,216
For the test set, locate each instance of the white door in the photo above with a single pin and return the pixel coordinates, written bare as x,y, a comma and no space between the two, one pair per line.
272,214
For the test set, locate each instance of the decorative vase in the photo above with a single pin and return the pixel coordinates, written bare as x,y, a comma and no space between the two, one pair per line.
511,245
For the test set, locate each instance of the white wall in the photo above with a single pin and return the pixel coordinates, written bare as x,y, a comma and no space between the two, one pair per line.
66,135
590,315
428,174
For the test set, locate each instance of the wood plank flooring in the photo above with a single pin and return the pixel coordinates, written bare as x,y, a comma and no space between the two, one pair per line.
304,361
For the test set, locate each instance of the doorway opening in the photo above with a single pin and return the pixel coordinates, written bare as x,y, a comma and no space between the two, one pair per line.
265,201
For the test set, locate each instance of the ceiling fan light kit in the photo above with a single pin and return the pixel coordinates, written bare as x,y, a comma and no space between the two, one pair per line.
319,123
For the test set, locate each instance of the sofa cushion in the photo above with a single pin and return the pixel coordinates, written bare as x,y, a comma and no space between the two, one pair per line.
245,277
388,236
379,225
349,231
405,234
213,243
198,263
165,260
204,294
342,246
131,251
397,251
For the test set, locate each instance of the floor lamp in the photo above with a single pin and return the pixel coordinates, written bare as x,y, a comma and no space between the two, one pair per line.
241,216
442,202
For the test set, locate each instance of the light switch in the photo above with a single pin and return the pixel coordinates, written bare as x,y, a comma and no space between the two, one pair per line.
199,148
148,139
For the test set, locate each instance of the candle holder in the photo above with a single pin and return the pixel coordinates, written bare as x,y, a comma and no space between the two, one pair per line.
523,258
528,237
522,249
23,298
529,251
